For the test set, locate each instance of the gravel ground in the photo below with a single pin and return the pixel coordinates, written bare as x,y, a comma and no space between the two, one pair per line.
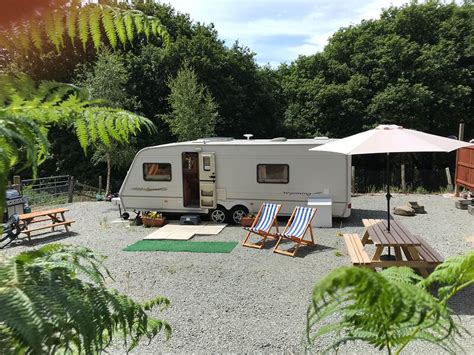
252,301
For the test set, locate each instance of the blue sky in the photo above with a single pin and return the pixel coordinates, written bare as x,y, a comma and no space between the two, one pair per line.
277,30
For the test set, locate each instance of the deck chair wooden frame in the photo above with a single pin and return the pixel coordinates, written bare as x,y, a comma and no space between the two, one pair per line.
297,240
264,234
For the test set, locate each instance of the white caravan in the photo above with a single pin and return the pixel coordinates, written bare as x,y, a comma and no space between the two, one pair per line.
228,178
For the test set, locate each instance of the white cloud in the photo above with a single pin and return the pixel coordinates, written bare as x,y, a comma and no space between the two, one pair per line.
303,25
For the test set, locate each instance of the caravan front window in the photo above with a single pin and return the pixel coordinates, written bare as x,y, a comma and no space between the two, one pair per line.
273,173
157,172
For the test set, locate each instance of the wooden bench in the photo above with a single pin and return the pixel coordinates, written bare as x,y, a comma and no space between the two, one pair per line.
428,254
55,216
358,255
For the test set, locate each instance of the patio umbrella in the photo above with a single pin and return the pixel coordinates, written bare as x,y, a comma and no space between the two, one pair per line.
391,139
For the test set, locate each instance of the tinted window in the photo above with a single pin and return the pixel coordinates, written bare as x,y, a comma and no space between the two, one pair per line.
157,172
273,173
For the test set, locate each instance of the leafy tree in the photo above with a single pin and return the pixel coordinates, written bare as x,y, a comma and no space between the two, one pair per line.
106,80
389,309
55,299
193,110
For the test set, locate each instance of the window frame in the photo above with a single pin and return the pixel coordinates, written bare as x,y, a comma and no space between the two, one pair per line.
144,175
274,182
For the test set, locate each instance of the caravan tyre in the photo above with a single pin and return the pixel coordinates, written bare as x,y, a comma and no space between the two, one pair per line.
237,212
219,215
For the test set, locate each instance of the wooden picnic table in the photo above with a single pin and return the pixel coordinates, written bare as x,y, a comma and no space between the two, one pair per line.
54,218
410,250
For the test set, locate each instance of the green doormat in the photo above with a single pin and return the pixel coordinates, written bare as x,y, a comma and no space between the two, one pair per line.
182,245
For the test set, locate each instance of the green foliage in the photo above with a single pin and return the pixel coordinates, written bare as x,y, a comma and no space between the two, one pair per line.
55,299
80,21
193,110
412,67
388,309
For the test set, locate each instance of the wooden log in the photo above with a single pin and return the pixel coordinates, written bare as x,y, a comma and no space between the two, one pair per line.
402,177
450,181
461,138
17,183
71,189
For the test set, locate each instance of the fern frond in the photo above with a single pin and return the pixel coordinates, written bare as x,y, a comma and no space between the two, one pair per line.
108,23
94,26
50,28
36,39
128,19
83,23
383,309
71,24
58,21
120,27
54,299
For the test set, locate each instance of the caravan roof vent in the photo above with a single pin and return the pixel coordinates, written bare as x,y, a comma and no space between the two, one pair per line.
278,139
322,138
216,139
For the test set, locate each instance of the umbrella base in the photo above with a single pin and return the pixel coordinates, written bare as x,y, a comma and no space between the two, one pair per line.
387,257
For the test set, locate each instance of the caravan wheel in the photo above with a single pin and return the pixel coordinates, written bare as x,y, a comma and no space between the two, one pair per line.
237,212
218,215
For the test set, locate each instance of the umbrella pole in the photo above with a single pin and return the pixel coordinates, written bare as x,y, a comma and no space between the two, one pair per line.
388,195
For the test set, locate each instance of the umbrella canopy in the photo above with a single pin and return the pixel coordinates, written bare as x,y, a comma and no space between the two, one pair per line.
391,139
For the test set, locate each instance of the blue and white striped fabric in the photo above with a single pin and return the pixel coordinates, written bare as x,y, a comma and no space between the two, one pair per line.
267,216
300,222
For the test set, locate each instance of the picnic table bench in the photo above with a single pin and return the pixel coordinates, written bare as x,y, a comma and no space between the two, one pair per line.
54,216
410,250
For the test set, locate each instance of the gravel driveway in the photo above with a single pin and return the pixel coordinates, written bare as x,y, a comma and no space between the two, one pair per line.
250,300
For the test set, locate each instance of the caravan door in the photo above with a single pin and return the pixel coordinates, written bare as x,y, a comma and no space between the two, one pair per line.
207,180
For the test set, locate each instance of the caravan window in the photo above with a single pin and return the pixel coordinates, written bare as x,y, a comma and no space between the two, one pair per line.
157,172
273,173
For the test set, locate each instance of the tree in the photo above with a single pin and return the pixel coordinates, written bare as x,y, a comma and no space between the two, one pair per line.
389,309
55,300
106,80
193,110
51,300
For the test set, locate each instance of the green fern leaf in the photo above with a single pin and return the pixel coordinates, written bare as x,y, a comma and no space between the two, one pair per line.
83,16
35,34
71,24
81,132
120,28
58,20
94,26
108,23
51,31
138,19
128,19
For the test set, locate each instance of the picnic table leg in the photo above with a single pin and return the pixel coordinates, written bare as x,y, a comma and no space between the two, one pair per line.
398,253
415,256
65,226
365,238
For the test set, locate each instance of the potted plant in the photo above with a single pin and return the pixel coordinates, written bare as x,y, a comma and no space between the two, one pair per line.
247,220
153,219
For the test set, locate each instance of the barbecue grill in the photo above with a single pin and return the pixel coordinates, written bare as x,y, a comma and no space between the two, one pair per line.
15,203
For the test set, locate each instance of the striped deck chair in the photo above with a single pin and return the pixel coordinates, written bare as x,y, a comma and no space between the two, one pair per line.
264,221
295,230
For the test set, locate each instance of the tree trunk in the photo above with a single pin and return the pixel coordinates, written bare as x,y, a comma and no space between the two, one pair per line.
109,172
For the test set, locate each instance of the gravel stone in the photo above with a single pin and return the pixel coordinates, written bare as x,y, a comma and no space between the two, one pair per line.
252,301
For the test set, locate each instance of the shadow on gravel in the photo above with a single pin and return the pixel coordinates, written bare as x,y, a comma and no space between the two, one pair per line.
357,214
43,238
463,302
306,250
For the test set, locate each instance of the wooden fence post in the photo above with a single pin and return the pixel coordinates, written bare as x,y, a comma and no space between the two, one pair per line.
100,184
450,181
402,177
17,183
353,169
461,138
71,189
